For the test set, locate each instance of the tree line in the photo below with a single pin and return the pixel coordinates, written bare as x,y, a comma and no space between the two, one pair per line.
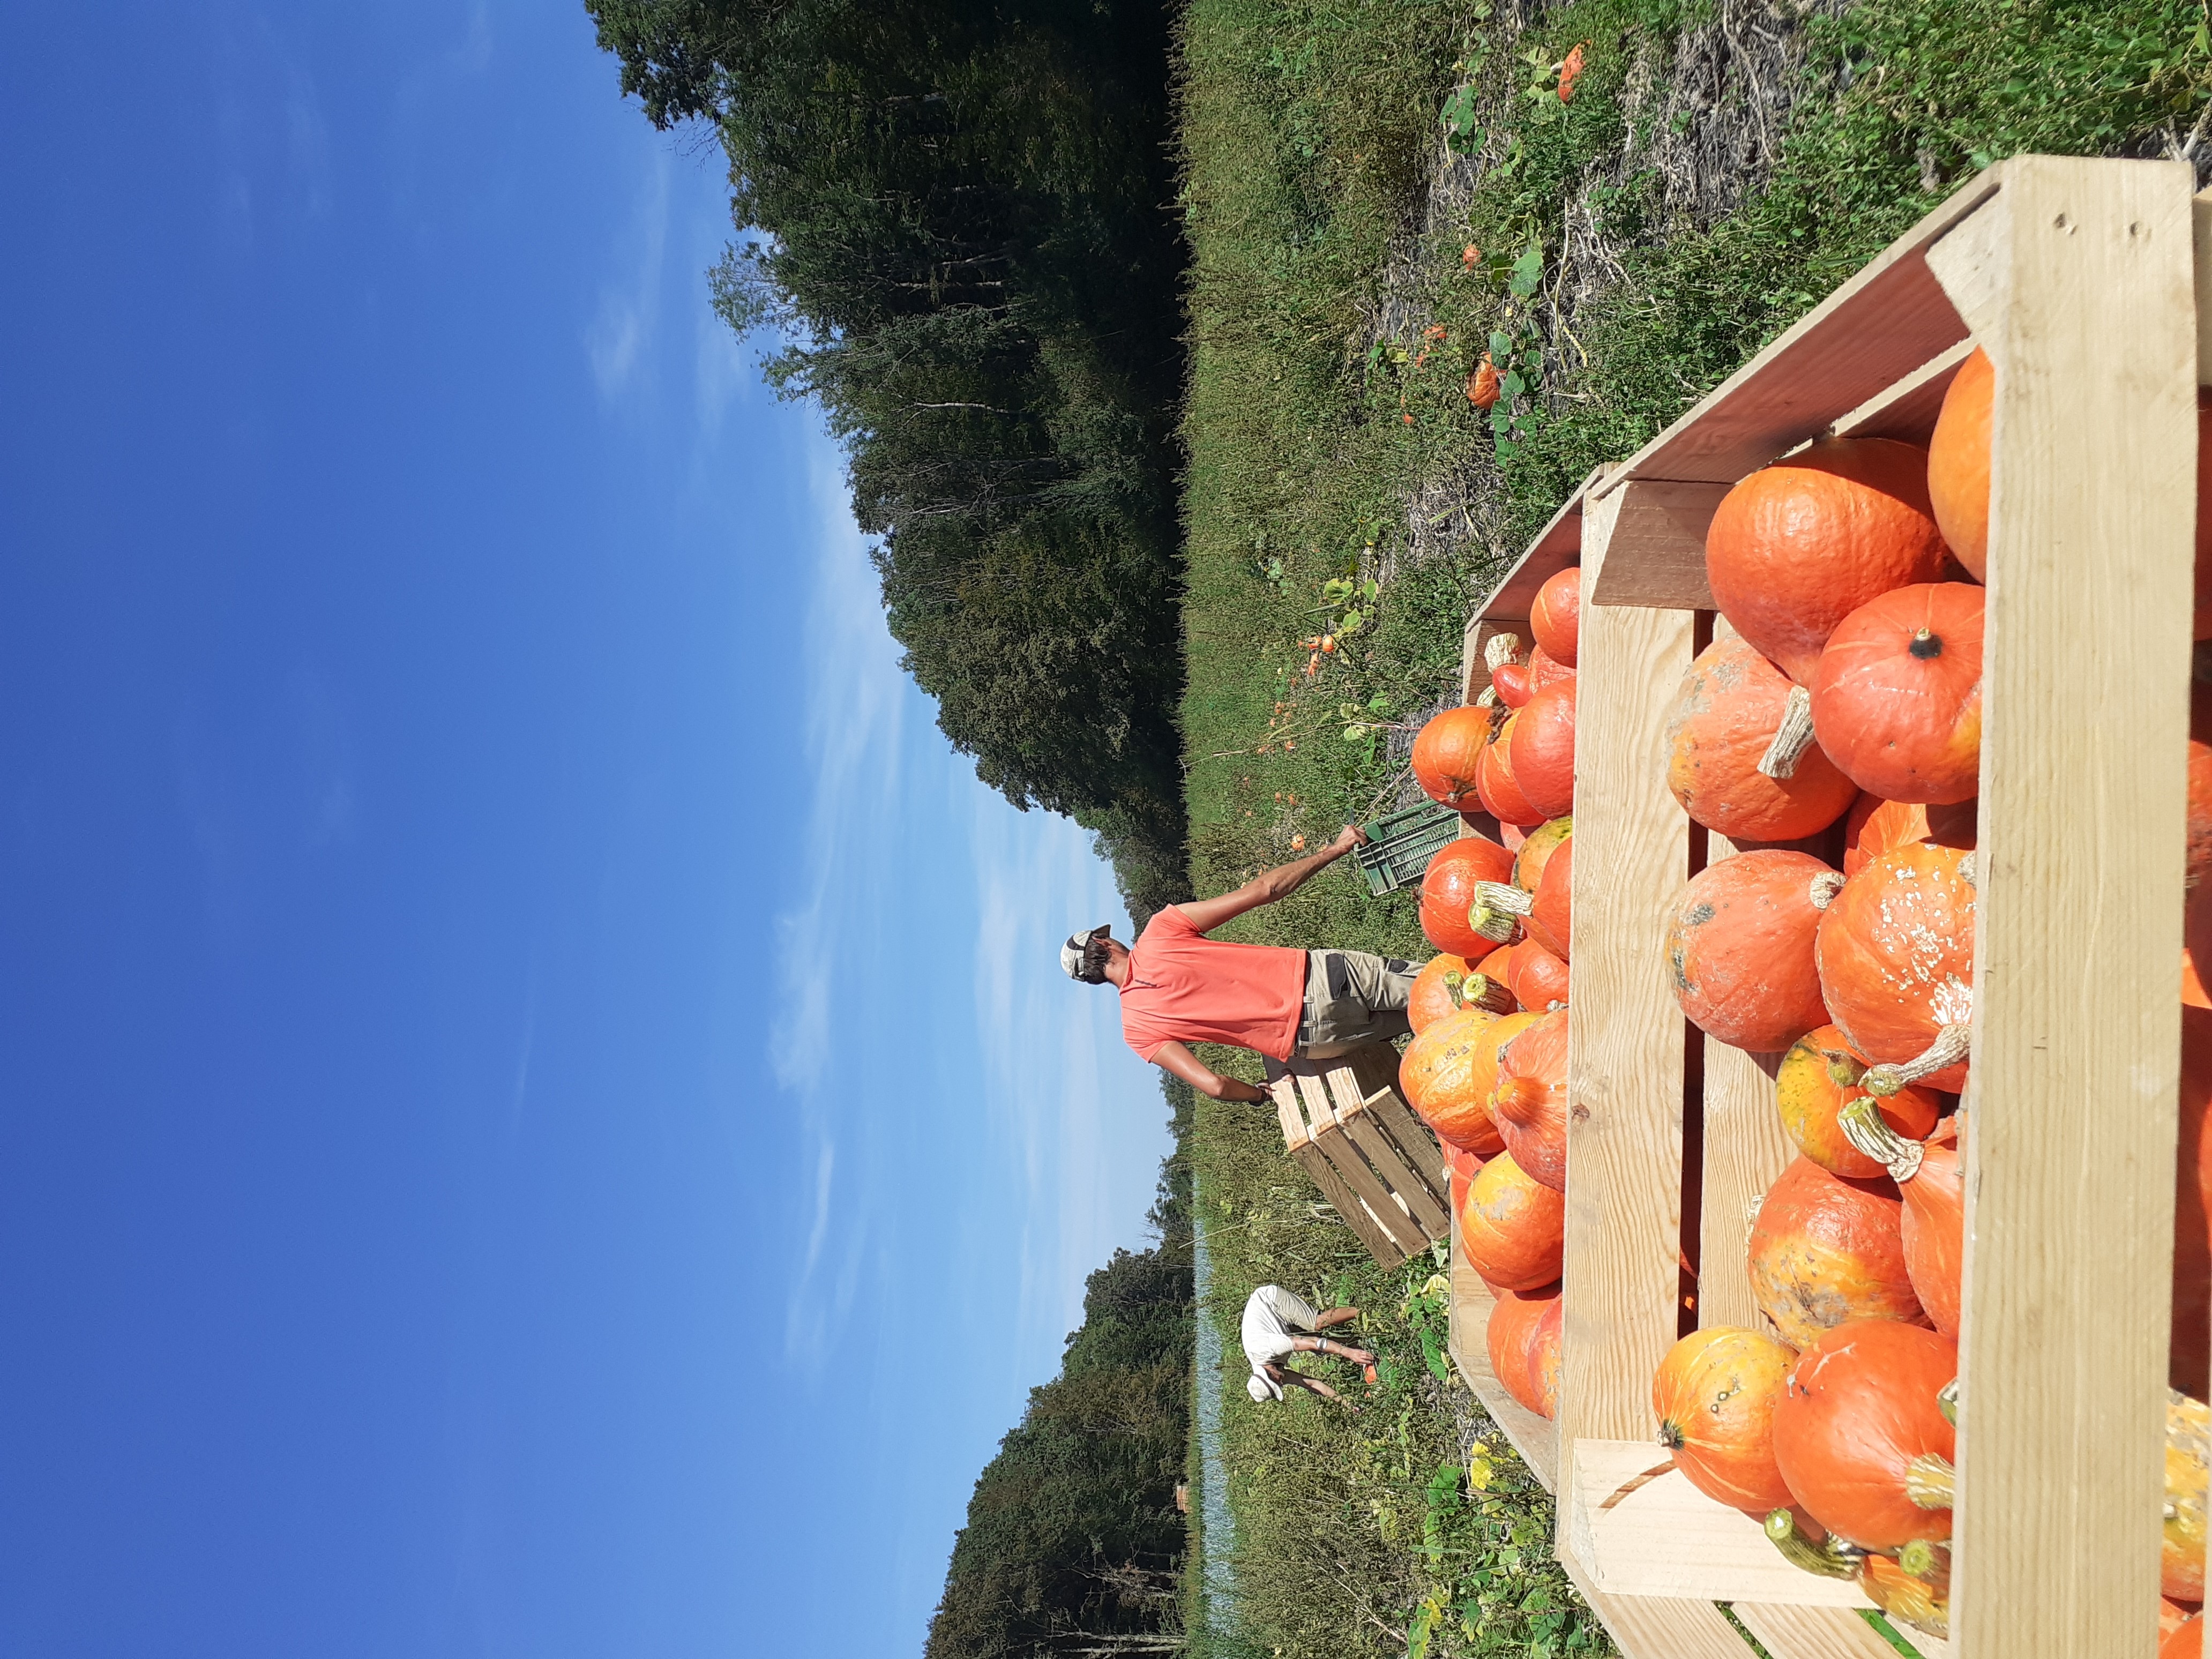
1073,1546
952,214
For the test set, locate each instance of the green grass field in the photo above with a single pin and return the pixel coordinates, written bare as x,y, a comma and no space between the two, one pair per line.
1378,193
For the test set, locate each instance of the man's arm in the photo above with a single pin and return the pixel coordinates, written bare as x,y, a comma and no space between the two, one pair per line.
1176,1058
1206,915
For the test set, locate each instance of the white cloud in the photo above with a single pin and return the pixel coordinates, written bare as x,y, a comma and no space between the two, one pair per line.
618,336
854,694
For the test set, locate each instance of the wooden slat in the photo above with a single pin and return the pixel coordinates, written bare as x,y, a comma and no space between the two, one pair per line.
1626,1048
1553,551
1413,1200
1746,1151
1656,555
1374,1072
2078,280
1298,1141
1881,326
1907,410
2201,221
1531,1435
1328,1134
1637,1532
1816,1632
1651,1627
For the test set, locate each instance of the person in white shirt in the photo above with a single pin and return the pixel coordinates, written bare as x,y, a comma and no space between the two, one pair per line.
1278,1324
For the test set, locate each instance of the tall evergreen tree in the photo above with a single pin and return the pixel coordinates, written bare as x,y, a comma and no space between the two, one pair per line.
955,214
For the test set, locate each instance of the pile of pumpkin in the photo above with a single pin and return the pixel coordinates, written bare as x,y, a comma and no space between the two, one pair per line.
1487,1067
1840,707
1844,702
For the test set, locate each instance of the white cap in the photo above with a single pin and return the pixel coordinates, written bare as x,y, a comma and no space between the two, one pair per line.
1071,954
1262,1387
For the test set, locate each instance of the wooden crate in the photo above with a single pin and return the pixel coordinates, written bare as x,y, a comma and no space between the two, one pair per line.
1344,1122
2079,277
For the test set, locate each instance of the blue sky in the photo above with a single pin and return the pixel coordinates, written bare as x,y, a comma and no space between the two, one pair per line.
535,1113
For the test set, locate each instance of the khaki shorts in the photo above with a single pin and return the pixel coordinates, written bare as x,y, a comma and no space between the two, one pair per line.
1352,999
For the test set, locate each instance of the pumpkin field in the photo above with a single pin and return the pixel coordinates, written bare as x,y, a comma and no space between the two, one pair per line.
1448,256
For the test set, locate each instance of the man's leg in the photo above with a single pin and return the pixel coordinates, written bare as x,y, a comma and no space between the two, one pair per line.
1353,998
1333,1317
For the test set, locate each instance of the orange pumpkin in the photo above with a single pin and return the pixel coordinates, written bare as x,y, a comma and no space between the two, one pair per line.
1797,546
1448,889
1446,1074
1547,1352
1714,1395
2171,1615
2181,1543
1498,964
1547,915
1896,956
1546,671
1539,978
1510,681
1530,1101
1725,715
1495,784
2200,814
1913,1588
1818,1078
1825,1250
1432,998
1739,948
2185,1641
1860,1437
1447,752
1958,476
1511,1227
1542,749
1897,699
1513,1320
1555,616
1931,1179
1876,826
1536,852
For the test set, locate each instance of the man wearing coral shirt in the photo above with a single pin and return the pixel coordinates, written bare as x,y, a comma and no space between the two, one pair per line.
1178,987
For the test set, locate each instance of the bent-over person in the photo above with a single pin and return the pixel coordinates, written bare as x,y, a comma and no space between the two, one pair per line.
1178,987
1277,1324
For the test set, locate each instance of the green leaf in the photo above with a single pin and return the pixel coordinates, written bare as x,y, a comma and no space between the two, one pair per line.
1513,385
1527,271
1355,734
1352,623
1500,347
1379,704
1501,421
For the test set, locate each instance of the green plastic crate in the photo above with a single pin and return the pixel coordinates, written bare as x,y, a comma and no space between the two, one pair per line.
1399,845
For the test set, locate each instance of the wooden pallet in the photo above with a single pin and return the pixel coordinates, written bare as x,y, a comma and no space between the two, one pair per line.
2080,279
1344,1122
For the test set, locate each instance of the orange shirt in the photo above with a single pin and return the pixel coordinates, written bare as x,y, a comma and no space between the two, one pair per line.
1186,988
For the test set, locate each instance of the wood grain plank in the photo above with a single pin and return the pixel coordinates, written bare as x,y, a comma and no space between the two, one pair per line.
1907,410
1313,1160
1652,1628
1531,1435
1552,550
2078,279
1656,555
1881,326
1641,1532
1625,1033
1412,1197
1813,1632
1746,1151
1375,1070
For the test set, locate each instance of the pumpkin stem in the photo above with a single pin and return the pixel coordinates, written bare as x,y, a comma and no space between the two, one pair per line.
1950,1046
1844,1068
1863,1126
1480,991
1486,697
1670,1436
1927,645
1967,871
1792,738
1825,887
1830,1558
1502,649
1922,1559
1947,1401
1496,907
1930,1481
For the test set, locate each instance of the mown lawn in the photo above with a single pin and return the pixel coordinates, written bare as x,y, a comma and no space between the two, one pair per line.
1378,193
